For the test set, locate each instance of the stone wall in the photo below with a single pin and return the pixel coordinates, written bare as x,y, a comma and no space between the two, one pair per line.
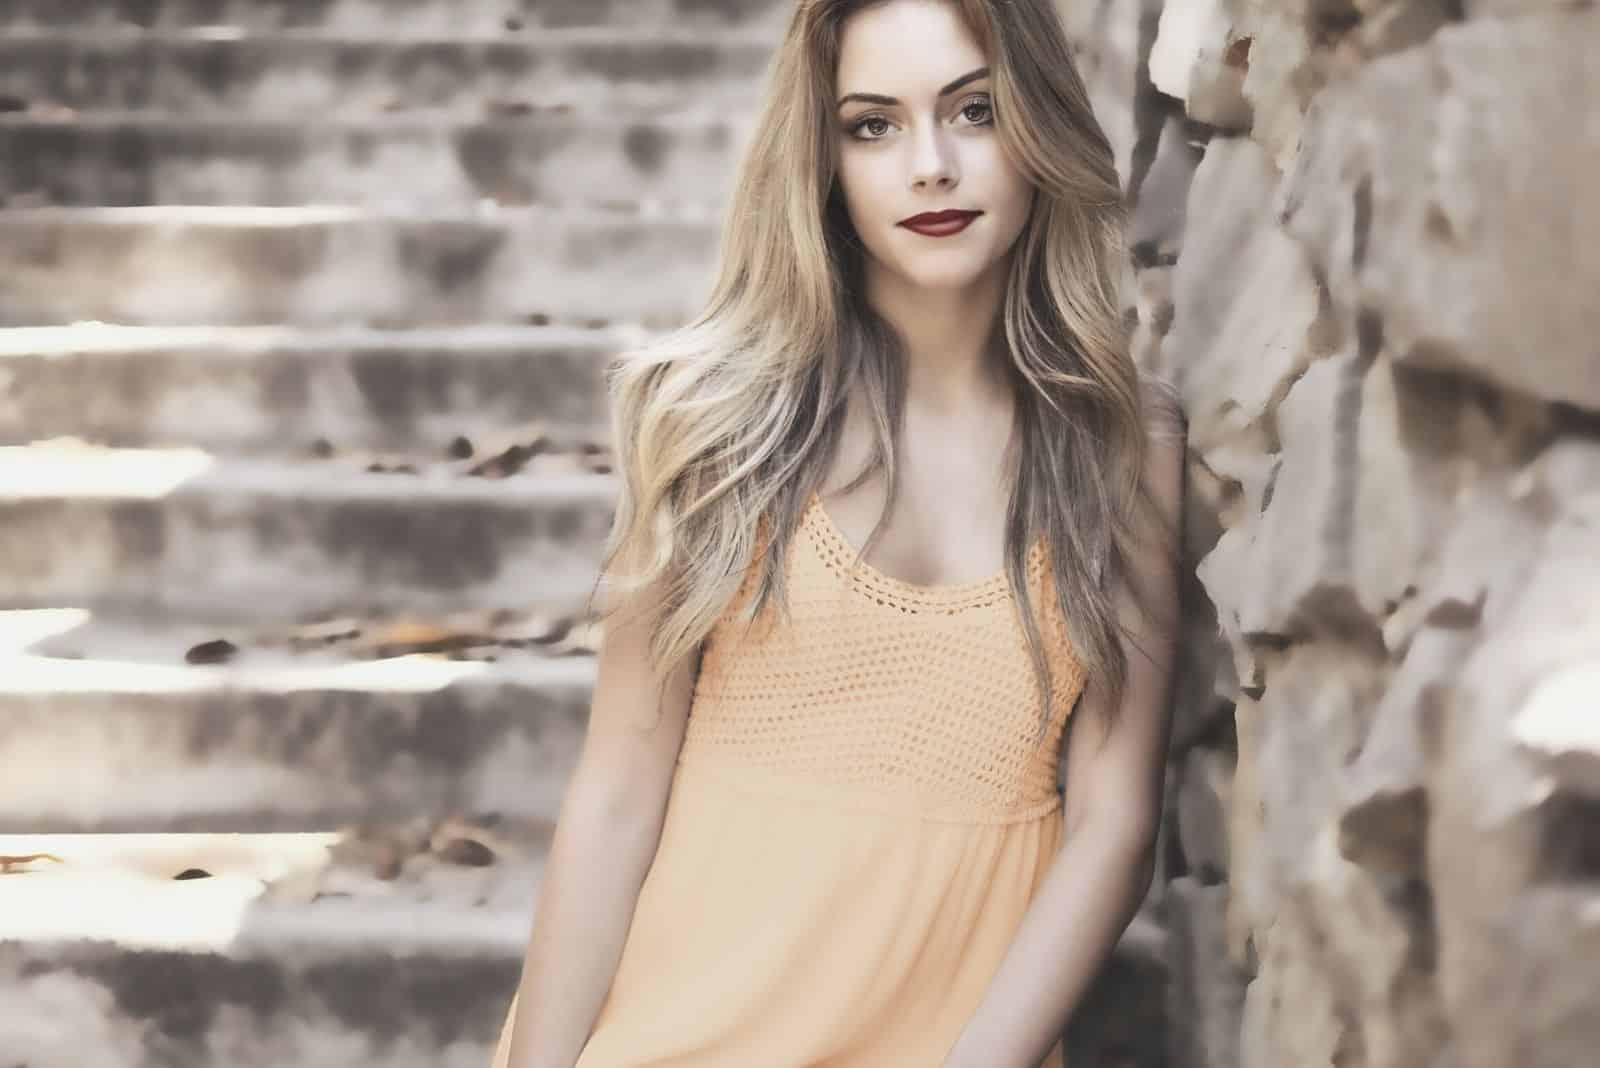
1363,252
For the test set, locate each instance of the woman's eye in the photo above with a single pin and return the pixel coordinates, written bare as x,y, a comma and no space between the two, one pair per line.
868,121
874,124
981,104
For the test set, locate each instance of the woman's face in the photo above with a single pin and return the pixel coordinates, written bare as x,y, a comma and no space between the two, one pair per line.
923,152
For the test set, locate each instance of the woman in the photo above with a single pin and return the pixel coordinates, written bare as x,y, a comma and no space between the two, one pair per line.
895,507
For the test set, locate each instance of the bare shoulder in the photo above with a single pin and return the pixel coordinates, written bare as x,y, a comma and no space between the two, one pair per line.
1163,408
1166,443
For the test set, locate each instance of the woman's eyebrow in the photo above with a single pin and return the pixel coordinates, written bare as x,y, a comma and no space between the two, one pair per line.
876,98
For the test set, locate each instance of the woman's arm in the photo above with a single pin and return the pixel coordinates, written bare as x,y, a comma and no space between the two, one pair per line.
1114,781
605,841
585,906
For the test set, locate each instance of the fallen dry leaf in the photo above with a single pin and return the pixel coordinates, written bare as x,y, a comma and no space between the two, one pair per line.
9,864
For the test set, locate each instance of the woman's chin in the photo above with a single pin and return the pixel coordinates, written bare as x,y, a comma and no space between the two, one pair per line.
952,277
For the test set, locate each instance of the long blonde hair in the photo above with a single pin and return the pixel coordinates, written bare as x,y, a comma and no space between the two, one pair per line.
734,417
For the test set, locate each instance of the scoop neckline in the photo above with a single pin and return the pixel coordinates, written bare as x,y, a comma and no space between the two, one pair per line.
938,592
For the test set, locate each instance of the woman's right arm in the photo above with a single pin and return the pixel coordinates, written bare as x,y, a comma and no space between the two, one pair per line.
604,843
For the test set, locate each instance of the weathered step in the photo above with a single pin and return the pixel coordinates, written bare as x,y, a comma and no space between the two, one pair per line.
394,16
299,74
255,389
108,960
106,725
175,266
552,158
187,532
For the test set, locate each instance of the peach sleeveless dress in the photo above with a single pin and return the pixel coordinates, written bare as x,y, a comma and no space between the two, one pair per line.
857,822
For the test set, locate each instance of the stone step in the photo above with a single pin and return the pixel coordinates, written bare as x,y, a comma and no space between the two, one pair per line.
392,862
277,956
294,75
180,266
550,158
253,390
123,723
394,16
186,532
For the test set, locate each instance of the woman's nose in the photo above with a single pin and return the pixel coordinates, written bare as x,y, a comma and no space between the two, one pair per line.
933,160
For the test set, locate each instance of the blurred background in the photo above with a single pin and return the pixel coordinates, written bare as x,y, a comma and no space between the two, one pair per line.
304,306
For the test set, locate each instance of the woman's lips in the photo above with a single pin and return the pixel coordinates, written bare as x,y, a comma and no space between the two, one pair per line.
942,225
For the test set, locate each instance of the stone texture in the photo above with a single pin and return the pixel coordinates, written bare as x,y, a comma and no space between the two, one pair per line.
207,74
421,17
1511,843
1203,802
1206,990
1196,59
549,157
1379,316
1109,40
177,531
86,1003
1461,225
296,742
269,390
344,265
288,544
1247,314
1303,541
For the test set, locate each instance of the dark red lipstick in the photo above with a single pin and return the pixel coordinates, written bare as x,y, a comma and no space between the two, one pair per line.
939,223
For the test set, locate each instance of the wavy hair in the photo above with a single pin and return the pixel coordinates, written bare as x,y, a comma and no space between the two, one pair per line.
723,427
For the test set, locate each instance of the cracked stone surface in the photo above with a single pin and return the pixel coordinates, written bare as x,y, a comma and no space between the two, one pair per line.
1380,319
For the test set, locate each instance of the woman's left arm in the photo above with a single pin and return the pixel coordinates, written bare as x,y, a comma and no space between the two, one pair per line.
1100,874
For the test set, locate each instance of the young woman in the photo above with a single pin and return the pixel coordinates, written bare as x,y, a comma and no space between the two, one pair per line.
896,508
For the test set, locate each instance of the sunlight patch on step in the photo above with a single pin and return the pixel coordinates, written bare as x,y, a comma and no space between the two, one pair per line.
128,909
22,628
242,215
268,856
92,335
68,650
95,336
120,473
419,673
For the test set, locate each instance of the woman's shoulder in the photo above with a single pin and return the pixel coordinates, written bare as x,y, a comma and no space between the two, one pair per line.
1162,405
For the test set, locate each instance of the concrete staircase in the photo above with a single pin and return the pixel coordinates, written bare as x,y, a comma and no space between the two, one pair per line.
303,476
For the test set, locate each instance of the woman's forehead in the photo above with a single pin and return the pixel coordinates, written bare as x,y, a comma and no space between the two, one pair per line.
905,48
